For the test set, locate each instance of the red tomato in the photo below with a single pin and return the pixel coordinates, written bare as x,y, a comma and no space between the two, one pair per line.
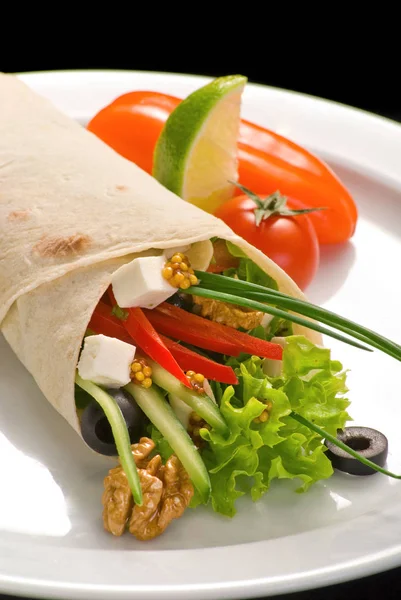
291,242
263,172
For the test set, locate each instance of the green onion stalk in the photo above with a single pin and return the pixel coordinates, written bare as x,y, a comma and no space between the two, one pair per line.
266,300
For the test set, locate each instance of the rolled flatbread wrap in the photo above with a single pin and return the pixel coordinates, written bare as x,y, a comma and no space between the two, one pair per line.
72,211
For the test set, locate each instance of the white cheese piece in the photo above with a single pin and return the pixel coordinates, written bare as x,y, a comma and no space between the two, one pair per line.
106,361
141,283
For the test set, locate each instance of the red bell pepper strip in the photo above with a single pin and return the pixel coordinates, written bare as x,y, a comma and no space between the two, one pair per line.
197,334
103,321
267,161
243,341
201,332
142,331
189,360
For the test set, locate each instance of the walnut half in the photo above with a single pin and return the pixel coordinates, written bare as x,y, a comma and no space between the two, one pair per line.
167,491
117,498
228,314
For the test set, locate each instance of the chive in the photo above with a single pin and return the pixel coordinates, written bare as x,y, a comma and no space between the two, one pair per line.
222,283
370,338
310,311
235,285
324,435
226,284
120,433
224,297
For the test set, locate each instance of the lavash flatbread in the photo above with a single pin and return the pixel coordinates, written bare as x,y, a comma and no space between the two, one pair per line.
72,211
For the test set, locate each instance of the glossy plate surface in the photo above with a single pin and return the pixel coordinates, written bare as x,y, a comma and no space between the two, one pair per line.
51,539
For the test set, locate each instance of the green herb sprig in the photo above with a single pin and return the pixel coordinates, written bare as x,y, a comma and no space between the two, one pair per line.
266,300
273,205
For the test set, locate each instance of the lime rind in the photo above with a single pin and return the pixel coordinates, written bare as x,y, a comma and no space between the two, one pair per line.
184,128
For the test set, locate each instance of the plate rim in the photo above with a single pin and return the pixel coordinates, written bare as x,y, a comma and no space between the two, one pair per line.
374,563
51,72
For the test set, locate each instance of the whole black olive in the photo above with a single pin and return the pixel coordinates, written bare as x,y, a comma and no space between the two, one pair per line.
368,442
96,429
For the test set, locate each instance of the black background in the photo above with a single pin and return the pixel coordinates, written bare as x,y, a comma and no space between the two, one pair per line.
329,53
349,59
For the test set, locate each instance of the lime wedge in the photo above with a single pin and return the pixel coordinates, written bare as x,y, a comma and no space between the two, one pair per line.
196,154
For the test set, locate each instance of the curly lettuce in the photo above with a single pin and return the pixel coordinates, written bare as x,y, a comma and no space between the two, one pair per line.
257,452
247,270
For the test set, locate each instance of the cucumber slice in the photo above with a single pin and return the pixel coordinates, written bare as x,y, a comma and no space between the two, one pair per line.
181,410
120,433
160,413
201,404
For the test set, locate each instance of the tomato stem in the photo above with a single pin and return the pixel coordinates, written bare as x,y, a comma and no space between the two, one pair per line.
273,205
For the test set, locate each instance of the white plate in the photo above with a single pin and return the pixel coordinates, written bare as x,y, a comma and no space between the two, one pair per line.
52,543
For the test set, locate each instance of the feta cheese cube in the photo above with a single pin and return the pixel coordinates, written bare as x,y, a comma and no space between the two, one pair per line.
141,283
106,361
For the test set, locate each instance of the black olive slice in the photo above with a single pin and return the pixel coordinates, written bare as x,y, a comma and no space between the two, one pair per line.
96,429
368,442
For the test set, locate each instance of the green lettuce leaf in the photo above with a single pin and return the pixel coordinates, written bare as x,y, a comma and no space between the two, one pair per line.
289,461
255,453
247,270
162,446
235,251
279,327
